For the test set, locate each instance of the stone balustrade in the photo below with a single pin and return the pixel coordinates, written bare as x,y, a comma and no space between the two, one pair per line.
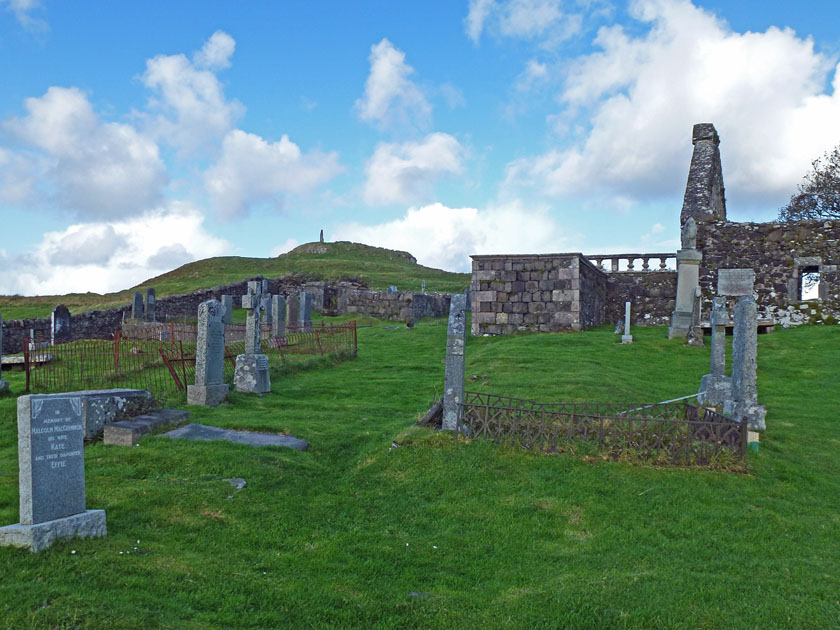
615,261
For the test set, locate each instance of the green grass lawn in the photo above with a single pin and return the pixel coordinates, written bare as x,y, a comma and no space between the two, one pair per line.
439,533
378,267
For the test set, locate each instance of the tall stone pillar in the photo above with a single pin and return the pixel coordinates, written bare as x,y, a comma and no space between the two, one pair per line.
688,280
209,389
453,384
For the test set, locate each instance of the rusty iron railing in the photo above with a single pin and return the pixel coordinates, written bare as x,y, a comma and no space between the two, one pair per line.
674,433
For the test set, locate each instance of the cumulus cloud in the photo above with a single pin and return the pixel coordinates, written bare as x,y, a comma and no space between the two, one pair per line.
252,170
391,97
444,237
641,94
100,169
110,256
535,72
522,19
405,173
190,98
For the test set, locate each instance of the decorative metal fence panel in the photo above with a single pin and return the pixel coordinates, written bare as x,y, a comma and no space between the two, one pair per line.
160,358
674,433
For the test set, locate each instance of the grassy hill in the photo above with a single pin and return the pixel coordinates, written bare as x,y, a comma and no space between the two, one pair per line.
435,532
377,266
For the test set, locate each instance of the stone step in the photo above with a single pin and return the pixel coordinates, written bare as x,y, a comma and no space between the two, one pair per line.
129,432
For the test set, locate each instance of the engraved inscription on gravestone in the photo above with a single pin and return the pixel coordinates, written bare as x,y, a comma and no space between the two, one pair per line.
735,282
52,469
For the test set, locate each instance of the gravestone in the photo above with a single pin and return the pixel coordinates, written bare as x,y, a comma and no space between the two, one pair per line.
251,373
209,389
422,286
716,387
227,302
293,311
688,279
453,384
306,311
743,403
392,289
52,474
627,337
60,331
137,307
695,333
150,305
267,306
4,385
278,316
735,282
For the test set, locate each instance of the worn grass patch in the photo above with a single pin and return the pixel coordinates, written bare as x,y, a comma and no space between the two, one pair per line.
436,532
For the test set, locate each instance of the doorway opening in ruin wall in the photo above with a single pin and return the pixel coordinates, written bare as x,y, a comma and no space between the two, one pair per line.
809,283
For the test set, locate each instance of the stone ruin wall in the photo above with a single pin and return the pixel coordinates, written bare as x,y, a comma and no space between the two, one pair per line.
652,295
326,299
535,293
776,252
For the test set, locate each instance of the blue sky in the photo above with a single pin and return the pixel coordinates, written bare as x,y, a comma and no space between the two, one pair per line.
135,137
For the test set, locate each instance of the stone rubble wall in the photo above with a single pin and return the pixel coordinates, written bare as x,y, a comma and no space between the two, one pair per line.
772,250
397,306
652,295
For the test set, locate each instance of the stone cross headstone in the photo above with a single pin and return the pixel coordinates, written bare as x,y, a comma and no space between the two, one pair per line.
150,305
306,310
627,337
52,474
278,316
227,302
4,385
453,384
715,387
209,389
251,372
60,325
688,280
293,311
137,307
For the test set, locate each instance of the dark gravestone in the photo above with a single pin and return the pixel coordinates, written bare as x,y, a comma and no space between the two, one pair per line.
150,305
52,474
60,325
137,307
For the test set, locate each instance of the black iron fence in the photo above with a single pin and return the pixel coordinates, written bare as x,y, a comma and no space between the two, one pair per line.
674,433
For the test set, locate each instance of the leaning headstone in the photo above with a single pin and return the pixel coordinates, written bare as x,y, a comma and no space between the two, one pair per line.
150,305
306,311
293,311
4,385
688,279
453,384
209,389
227,302
278,316
251,372
627,337
60,325
716,387
52,474
137,307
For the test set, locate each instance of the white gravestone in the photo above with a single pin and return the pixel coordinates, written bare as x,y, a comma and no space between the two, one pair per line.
627,337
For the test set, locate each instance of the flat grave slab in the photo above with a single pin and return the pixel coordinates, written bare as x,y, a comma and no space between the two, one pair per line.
205,433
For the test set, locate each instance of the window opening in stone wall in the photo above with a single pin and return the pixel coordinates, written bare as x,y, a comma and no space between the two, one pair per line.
809,283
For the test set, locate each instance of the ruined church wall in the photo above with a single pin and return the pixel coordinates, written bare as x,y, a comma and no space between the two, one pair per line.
777,252
652,295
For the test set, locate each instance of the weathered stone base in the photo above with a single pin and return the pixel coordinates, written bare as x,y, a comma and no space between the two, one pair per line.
753,412
626,338
714,390
680,324
251,374
129,432
206,395
88,524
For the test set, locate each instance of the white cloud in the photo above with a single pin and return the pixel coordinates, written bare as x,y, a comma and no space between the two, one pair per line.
110,256
99,169
216,52
444,237
390,96
252,171
191,100
535,73
286,246
23,10
405,173
642,94
543,20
